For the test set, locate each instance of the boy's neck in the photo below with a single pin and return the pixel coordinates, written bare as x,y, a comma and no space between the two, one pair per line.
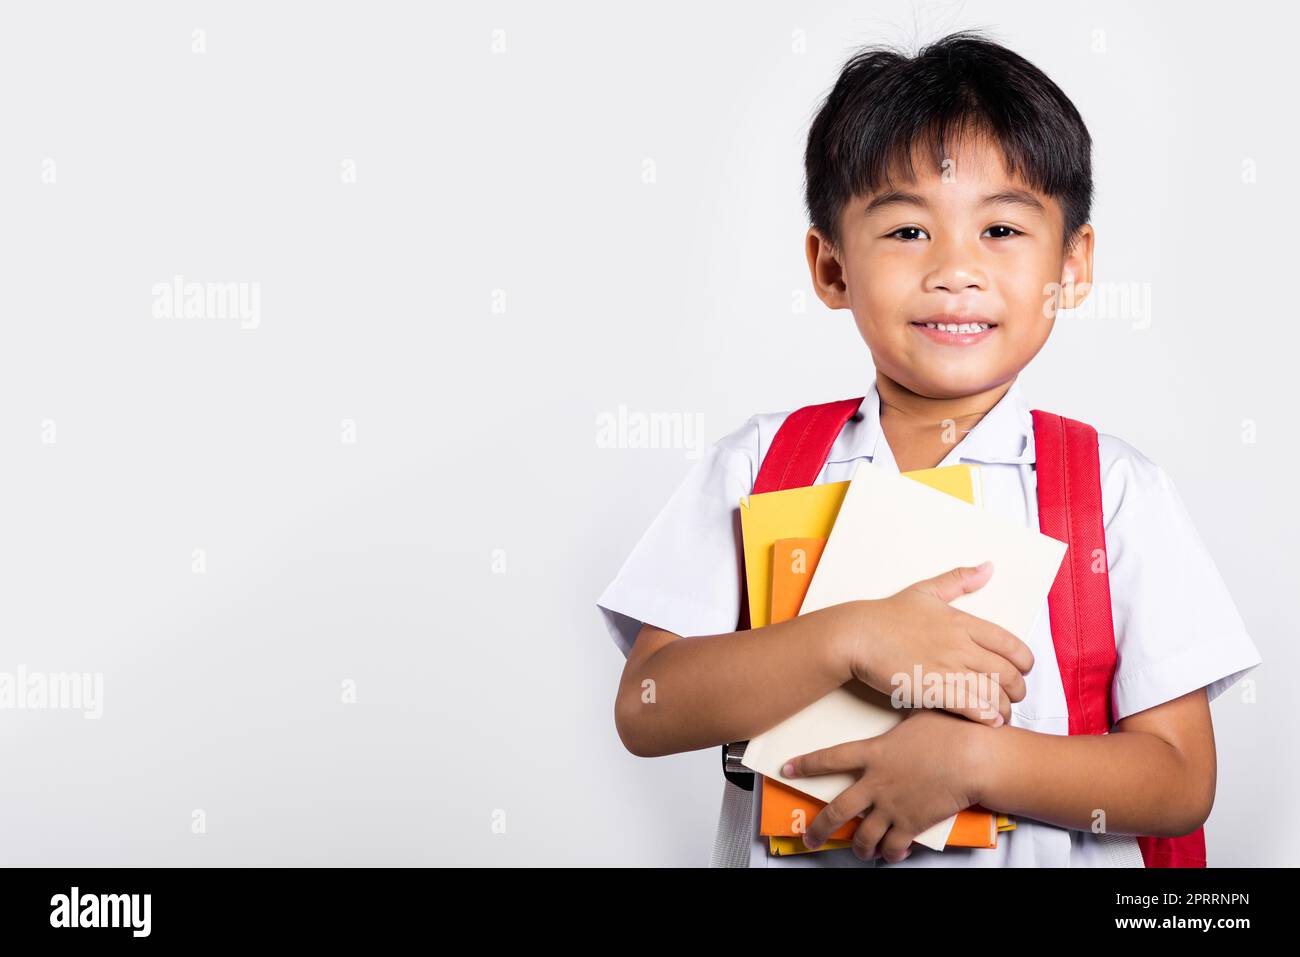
920,430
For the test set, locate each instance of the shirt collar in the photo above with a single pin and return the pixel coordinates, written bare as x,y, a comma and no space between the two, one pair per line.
1005,435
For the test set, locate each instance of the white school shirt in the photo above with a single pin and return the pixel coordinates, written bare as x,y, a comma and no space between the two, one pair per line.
1176,627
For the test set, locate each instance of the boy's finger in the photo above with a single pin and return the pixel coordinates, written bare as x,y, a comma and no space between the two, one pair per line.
983,712
850,803
1002,643
993,670
867,838
839,757
895,846
959,581
978,697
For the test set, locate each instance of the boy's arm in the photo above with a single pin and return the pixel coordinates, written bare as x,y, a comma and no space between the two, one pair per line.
683,694
1154,774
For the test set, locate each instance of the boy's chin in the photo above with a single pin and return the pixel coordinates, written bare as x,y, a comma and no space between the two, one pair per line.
950,383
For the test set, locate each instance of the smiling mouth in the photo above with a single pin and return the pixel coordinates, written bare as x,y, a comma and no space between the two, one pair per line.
970,333
962,328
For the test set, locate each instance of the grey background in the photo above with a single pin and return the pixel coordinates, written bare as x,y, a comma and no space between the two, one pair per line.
484,692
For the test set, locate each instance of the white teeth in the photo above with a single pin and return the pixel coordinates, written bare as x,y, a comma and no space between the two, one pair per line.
964,328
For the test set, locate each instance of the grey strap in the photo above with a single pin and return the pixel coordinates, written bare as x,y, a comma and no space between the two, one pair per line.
736,820
1123,850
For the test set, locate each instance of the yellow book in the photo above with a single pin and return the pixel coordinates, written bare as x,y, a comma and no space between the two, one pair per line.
785,846
809,512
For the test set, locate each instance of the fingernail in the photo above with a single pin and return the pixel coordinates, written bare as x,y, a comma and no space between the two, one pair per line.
997,721
788,769
983,565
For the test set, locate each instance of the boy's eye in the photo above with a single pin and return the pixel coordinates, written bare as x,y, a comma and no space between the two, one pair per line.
913,233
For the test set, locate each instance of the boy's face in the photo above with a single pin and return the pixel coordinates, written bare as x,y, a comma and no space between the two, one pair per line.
962,245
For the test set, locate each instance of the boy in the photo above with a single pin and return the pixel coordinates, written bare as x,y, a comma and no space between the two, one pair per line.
949,196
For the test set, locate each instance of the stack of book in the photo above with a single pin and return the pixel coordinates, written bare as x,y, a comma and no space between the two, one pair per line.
812,547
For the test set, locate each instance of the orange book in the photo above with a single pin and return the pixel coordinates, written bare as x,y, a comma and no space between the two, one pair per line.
786,812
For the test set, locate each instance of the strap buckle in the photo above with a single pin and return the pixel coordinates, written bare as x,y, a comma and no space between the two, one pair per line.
735,772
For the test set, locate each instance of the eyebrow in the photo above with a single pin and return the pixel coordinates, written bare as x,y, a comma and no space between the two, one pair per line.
1013,197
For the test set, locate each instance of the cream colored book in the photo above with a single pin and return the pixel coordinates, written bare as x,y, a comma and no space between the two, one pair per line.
889,533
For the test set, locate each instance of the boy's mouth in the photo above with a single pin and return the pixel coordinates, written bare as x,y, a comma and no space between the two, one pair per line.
955,330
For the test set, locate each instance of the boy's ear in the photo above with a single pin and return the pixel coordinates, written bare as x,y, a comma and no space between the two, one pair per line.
826,269
1076,271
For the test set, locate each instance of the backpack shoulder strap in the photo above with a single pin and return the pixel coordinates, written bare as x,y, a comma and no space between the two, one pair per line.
802,444
794,459
1070,510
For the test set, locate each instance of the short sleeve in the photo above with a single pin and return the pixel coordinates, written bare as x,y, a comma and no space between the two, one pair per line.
1176,626
685,575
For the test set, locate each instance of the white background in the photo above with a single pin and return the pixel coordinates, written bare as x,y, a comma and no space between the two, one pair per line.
484,695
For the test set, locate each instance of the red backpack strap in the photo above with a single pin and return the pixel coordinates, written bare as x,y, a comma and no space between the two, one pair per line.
802,444
1069,510
794,459
1083,632
1186,850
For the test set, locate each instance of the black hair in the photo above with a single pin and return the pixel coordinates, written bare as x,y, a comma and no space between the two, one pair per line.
885,103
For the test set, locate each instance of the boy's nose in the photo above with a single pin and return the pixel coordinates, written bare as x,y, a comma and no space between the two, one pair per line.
956,273
955,265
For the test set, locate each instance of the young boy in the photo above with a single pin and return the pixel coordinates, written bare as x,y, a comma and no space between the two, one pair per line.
949,195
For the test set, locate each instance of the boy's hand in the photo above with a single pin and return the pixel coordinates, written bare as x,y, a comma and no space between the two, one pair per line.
913,776
917,626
